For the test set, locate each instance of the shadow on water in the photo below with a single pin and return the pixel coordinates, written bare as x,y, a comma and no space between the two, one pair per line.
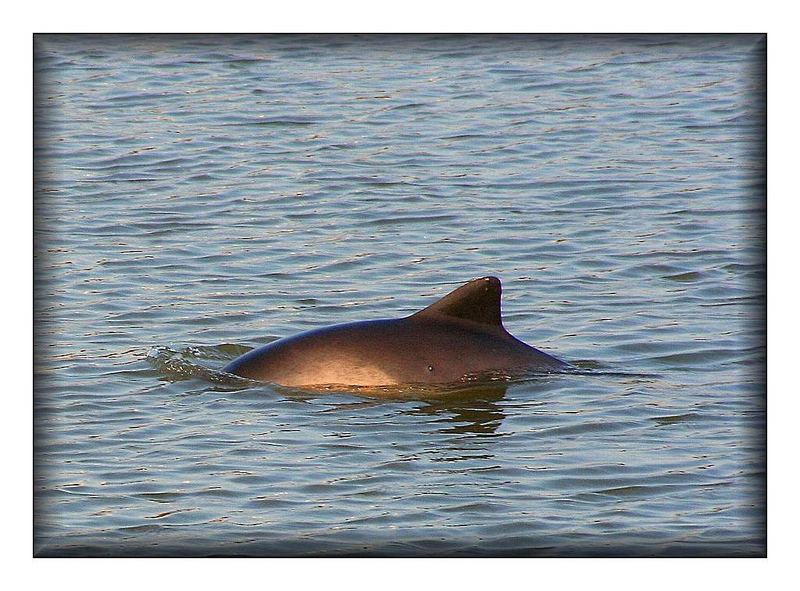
471,410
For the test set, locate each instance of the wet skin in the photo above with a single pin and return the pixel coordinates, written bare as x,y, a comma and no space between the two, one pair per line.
459,337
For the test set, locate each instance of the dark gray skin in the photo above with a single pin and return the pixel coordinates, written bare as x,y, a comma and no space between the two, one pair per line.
460,336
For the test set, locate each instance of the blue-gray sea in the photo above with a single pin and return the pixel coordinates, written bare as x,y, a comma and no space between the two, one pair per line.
198,196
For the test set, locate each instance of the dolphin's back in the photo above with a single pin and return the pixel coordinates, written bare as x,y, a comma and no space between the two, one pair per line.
460,335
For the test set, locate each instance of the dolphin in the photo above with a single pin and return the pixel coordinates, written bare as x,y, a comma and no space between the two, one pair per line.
459,338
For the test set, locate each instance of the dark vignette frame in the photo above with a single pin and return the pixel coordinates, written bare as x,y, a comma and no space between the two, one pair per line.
759,76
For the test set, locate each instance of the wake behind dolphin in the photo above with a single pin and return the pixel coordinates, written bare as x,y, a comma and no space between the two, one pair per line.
458,338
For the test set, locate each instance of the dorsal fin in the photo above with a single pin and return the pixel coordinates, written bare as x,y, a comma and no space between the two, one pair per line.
477,301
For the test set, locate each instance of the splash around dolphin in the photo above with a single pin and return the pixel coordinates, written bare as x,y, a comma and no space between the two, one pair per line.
456,339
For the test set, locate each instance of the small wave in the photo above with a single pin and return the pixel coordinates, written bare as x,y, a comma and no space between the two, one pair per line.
410,220
272,123
685,277
186,363
700,357
673,419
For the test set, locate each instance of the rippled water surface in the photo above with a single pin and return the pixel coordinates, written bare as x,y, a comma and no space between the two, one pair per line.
199,196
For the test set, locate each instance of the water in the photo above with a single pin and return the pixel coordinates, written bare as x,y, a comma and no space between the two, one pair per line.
199,196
